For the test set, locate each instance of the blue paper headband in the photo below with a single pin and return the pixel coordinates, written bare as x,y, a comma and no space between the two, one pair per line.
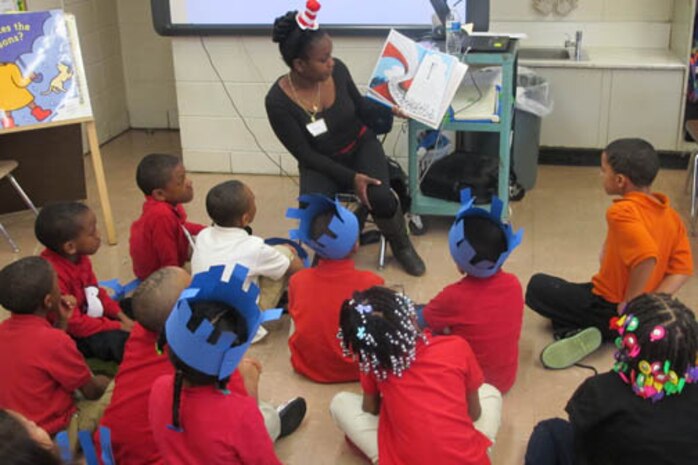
192,347
461,250
344,226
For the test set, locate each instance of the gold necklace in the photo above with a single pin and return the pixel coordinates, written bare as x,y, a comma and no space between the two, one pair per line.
315,107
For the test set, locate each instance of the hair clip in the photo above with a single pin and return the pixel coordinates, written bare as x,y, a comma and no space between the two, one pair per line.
361,333
658,333
364,308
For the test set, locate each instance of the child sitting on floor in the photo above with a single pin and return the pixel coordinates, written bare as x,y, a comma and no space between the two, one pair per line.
486,306
132,440
194,417
99,325
642,412
316,294
40,367
231,206
646,250
162,235
423,388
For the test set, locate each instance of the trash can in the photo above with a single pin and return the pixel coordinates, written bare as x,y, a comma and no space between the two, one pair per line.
533,102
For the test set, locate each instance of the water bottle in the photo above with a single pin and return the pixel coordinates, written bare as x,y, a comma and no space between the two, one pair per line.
453,33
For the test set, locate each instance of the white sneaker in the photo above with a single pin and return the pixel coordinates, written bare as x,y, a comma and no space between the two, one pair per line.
261,334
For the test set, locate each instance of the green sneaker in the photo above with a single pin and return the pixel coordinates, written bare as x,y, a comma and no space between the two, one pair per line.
566,352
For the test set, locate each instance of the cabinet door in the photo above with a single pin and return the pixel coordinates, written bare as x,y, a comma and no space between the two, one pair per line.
647,104
578,118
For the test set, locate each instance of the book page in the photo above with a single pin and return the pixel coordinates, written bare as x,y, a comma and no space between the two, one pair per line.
421,82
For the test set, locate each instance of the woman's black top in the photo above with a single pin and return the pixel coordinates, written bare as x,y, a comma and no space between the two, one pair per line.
343,120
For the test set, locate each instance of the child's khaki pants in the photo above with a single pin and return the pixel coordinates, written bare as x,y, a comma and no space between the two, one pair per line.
362,428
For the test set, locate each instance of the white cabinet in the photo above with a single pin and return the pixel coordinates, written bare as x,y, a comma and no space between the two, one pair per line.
579,101
595,106
646,104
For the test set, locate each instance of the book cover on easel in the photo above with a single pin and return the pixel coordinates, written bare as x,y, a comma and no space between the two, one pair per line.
41,73
422,82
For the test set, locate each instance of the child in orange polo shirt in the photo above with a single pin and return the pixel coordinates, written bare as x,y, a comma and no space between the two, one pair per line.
646,250
315,295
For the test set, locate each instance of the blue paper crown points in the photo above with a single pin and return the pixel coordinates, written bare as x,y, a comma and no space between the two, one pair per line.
461,250
193,346
344,226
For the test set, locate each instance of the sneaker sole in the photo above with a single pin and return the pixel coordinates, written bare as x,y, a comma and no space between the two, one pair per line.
291,416
566,352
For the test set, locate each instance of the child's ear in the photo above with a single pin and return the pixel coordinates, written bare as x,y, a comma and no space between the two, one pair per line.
69,248
245,219
158,194
355,248
48,301
622,181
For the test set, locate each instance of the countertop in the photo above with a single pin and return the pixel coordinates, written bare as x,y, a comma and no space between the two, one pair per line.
614,58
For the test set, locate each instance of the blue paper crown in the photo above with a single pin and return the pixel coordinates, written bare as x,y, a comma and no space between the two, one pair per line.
461,250
192,346
344,226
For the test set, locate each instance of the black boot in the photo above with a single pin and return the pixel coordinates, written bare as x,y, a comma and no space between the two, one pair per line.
395,232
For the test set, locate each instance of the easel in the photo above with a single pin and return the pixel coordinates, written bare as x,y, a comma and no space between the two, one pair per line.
91,129
82,116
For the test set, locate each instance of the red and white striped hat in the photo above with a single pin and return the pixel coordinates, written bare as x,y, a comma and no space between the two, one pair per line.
307,19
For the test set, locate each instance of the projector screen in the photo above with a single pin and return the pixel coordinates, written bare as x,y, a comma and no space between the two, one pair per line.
185,17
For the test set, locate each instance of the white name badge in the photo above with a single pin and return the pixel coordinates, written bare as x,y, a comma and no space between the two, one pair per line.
317,128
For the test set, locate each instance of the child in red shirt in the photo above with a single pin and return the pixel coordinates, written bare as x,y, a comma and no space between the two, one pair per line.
98,324
315,295
132,439
40,367
486,306
194,418
423,388
162,235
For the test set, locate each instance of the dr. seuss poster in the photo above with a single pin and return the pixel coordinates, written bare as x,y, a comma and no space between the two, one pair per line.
41,72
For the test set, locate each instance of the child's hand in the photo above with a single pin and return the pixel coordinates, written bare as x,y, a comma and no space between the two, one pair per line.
249,370
126,322
65,311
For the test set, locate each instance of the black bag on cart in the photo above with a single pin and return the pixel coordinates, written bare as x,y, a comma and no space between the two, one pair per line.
449,175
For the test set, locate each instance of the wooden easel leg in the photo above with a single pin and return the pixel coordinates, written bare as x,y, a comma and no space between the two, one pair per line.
101,182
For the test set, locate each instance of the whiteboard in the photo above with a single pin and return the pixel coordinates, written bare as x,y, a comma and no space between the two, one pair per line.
173,17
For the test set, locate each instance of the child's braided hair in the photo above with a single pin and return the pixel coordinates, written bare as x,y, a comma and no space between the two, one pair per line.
657,345
378,326
223,317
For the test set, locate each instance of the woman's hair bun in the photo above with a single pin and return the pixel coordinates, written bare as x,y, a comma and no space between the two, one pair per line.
284,26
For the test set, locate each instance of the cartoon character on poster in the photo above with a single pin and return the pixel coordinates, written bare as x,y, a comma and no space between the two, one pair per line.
37,78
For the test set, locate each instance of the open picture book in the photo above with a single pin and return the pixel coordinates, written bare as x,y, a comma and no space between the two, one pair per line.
422,82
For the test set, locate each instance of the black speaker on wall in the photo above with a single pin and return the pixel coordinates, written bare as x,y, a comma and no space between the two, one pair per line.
478,13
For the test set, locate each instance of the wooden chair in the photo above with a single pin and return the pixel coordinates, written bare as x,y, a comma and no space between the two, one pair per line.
692,174
6,169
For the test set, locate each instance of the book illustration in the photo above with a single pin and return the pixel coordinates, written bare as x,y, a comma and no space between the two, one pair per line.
38,82
420,81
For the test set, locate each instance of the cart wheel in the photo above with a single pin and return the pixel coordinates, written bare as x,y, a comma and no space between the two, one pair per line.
417,225
516,192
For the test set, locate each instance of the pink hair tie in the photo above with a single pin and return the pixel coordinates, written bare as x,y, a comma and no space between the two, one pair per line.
657,333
